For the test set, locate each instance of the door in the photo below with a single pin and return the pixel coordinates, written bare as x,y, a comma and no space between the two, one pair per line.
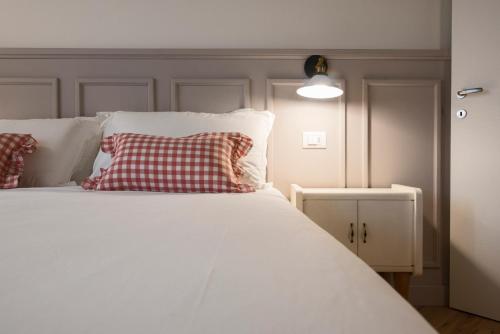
475,159
385,233
337,217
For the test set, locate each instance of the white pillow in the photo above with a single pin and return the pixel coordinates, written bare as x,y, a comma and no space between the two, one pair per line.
255,124
61,145
91,131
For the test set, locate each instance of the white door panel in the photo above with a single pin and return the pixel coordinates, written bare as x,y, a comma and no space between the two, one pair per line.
475,159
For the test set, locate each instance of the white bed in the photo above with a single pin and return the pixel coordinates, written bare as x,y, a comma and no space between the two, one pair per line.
128,262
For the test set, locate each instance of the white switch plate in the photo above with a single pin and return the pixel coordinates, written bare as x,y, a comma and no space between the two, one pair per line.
314,139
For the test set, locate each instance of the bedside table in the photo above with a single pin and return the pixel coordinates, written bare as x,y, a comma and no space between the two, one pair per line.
382,226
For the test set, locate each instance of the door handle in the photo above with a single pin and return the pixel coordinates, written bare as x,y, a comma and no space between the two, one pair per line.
464,92
365,233
351,233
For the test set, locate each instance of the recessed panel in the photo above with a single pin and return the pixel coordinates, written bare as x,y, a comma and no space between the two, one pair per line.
25,98
289,161
210,95
94,95
404,143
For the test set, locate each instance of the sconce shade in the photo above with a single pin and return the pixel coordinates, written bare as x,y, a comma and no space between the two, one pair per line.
320,86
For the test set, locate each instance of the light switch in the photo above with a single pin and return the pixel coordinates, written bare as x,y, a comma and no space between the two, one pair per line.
314,139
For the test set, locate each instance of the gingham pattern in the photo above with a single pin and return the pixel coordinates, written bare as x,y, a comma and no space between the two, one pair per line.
12,148
202,163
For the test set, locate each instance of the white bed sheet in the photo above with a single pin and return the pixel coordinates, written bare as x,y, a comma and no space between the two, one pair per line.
128,262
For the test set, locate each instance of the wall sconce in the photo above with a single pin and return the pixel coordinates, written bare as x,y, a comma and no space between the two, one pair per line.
319,86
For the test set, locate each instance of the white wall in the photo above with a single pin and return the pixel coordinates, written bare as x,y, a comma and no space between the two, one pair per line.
336,24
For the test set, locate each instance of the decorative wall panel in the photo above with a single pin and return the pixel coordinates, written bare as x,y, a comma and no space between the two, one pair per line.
23,98
209,95
402,144
288,161
104,94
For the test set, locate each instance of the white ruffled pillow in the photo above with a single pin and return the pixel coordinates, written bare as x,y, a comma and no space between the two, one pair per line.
255,124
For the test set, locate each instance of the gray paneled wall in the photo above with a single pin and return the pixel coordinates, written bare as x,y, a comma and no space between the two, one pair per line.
389,127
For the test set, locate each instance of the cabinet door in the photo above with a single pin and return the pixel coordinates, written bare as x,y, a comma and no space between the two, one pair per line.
389,231
337,217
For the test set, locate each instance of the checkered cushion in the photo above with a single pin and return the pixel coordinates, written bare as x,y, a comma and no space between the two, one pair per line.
202,163
12,148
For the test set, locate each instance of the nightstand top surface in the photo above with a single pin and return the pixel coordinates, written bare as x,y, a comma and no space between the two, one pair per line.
396,192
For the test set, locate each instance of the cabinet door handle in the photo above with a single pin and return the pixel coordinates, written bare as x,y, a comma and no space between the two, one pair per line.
365,233
351,233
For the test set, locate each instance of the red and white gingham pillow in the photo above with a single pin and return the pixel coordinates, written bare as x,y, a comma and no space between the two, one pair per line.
202,163
12,148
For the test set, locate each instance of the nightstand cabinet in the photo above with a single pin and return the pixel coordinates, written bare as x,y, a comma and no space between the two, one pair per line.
383,226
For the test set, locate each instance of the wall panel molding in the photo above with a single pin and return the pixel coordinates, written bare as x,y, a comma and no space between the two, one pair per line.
284,54
340,121
243,91
52,83
80,84
435,85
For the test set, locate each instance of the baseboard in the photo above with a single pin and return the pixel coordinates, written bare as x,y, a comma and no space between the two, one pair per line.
429,295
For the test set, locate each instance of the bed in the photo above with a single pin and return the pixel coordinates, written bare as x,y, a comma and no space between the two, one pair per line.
127,262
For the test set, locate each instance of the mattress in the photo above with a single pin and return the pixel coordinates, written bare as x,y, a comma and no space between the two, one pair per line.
127,262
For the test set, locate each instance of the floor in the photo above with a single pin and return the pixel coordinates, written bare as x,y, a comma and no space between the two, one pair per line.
447,321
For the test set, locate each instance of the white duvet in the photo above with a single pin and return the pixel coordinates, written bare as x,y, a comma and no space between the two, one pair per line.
128,262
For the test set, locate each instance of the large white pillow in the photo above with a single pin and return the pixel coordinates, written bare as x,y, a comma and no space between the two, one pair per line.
62,144
91,133
255,124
